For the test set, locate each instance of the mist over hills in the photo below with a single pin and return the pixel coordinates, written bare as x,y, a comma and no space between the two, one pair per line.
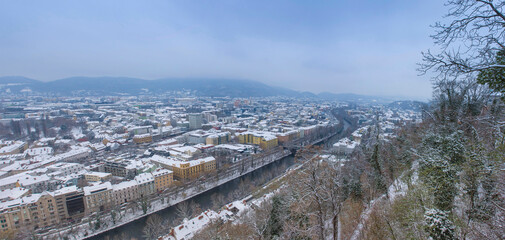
211,87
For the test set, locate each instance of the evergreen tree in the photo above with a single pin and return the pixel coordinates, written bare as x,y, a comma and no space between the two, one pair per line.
275,221
494,77
438,225
439,177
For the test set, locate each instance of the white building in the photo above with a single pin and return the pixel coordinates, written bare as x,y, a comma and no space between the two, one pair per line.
125,192
145,183
195,120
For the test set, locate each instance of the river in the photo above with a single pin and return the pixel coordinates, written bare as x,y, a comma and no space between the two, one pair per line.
133,230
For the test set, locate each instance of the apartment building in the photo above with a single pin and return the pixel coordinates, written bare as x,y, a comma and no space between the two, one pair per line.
218,138
263,139
13,147
97,176
186,169
145,182
120,167
69,203
31,212
125,192
65,169
98,197
163,178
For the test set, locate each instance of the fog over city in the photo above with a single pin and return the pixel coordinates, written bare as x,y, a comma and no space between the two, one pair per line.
362,47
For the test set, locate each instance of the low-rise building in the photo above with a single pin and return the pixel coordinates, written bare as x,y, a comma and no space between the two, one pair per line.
345,146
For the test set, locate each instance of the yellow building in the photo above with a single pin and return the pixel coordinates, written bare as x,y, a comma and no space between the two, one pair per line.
263,139
211,140
34,211
163,178
268,143
186,169
97,176
218,138
245,138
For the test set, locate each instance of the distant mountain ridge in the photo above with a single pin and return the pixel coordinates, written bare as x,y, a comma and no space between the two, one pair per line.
133,86
16,79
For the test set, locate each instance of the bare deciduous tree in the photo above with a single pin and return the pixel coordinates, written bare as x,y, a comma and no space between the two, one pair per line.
316,201
469,41
183,210
217,200
258,219
153,227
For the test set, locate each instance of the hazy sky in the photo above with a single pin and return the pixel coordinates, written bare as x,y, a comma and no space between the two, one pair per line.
365,47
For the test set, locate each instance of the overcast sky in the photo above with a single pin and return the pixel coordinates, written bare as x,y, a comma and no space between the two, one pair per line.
365,47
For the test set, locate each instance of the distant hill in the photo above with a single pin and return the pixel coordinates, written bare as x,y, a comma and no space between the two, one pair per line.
133,86
99,86
16,79
203,87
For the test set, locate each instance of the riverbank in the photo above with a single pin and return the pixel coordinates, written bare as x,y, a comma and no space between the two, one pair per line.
134,228
106,221
240,209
